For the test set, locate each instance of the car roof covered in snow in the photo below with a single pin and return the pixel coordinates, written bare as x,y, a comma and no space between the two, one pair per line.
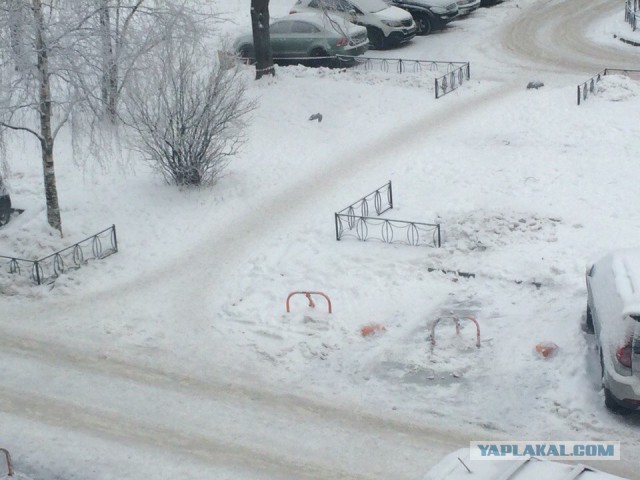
452,468
322,20
625,264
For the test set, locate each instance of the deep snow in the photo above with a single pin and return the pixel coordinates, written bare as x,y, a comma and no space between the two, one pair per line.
528,188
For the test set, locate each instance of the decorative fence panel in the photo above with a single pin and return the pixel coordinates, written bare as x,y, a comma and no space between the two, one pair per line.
455,73
589,87
354,221
452,80
48,268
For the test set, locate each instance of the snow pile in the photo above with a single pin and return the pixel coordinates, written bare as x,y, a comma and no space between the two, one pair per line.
618,88
481,229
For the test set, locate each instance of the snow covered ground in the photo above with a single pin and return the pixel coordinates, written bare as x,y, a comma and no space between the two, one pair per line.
190,312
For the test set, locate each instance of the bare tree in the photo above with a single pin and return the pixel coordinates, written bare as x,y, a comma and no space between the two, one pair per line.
189,123
261,38
18,101
70,61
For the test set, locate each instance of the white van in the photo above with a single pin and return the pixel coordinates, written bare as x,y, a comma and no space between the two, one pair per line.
387,25
613,315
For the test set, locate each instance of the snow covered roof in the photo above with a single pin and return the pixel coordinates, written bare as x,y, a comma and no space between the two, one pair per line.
454,467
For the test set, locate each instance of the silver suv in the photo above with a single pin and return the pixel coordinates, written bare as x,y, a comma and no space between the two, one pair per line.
386,25
613,315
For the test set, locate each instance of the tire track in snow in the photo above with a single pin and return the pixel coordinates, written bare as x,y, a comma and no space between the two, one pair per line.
124,429
66,356
552,35
214,447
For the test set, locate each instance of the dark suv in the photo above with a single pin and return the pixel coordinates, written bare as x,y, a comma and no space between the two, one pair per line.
429,15
5,204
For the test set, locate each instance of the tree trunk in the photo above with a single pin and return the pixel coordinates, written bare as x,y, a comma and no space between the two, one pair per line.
261,38
45,110
109,82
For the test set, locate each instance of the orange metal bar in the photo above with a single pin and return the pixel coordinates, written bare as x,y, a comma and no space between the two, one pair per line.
456,320
308,295
8,458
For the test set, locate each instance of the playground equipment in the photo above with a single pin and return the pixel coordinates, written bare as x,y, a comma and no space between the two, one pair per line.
8,460
308,295
456,320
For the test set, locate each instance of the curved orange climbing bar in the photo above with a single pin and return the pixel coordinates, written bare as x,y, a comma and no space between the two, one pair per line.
8,458
308,295
456,320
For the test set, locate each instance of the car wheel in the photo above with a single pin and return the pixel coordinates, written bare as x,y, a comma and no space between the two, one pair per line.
247,54
5,216
319,57
423,24
376,38
612,404
589,321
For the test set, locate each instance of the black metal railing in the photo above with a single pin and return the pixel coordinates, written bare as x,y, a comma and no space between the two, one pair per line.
631,8
48,268
455,72
589,87
381,199
354,221
452,80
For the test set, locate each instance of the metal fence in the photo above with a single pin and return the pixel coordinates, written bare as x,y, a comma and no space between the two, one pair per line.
631,8
455,73
589,87
452,80
48,268
354,221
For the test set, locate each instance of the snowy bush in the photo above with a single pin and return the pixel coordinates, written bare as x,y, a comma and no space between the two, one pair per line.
188,120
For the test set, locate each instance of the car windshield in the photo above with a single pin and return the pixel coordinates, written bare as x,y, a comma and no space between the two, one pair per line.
370,6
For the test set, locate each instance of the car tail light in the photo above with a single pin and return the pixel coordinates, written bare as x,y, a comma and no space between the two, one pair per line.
342,42
623,354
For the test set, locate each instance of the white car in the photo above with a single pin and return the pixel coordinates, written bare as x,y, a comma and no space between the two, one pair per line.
386,25
465,7
613,315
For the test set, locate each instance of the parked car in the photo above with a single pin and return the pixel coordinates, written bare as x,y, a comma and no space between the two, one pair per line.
459,465
613,315
310,38
5,204
386,25
465,7
429,15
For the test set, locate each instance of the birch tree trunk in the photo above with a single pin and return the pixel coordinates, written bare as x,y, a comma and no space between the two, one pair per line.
45,110
261,38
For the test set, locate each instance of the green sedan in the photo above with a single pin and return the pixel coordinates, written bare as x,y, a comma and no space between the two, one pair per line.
310,38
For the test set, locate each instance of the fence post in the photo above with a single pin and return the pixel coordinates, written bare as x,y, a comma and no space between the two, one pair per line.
115,237
439,239
36,264
578,94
